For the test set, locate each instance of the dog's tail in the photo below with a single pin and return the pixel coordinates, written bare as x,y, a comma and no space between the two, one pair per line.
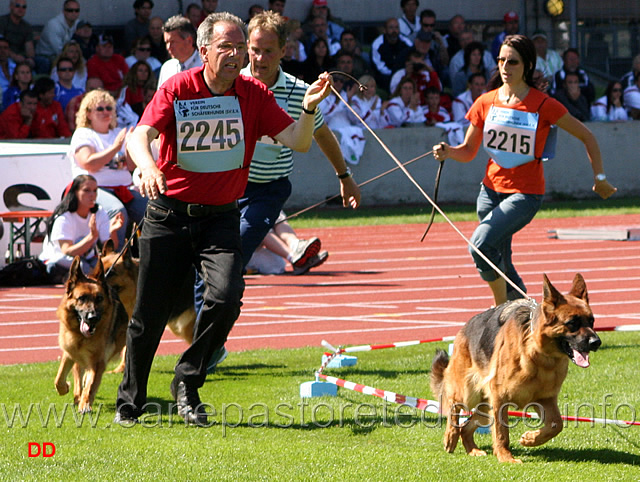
438,365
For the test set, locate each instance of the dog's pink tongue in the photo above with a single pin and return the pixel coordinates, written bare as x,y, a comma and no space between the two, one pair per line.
84,328
581,359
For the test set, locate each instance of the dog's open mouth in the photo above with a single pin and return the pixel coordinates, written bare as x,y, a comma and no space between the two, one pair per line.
580,358
85,329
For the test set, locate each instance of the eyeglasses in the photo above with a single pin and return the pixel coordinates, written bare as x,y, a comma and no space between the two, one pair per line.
20,5
512,62
72,10
428,25
102,109
66,69
616,90
144,49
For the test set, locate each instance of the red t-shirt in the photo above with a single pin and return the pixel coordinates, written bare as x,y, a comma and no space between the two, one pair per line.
111,72
527,178
49,122
261,115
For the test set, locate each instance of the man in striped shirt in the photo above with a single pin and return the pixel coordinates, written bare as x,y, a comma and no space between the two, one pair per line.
269,186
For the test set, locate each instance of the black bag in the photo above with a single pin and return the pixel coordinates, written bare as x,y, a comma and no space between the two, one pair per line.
25,272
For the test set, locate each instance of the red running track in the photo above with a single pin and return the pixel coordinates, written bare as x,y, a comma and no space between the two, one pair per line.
379,285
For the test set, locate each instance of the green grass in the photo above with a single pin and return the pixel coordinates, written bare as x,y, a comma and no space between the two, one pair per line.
350,437
420,213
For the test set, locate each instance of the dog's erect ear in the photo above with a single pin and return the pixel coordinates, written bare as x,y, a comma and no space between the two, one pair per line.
98,271
579,288
75,275
549,293
108,247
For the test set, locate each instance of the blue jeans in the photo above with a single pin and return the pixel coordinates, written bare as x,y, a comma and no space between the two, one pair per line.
133,211
171,244
501,215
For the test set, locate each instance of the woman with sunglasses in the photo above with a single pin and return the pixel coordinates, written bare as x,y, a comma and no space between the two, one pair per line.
512,122
610,107
98,148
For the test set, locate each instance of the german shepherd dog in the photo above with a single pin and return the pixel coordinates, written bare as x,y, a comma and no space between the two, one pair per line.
123,278
93,326
509,356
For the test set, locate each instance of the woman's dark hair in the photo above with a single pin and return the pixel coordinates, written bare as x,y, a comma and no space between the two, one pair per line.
404,80
527,51
467,55
14,75
609,91
70,200
43,85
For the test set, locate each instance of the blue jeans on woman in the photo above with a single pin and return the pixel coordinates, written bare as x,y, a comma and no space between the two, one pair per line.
501,215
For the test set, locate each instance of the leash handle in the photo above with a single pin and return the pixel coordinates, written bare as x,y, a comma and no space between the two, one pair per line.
126,245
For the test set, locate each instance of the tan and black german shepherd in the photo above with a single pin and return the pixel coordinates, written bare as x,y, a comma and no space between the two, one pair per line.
93,326
509,356
123,278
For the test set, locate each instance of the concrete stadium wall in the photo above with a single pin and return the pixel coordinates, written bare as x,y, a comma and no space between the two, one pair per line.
568,174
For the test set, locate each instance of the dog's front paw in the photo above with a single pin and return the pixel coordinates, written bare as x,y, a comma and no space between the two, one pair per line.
62,388
84,408
477,453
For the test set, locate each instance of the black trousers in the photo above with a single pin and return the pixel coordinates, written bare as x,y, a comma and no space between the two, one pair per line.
172,243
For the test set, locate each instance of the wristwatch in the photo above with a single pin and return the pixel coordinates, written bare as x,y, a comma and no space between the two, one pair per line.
601,177
345,174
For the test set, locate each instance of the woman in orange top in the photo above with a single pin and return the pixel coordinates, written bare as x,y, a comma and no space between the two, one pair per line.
512,122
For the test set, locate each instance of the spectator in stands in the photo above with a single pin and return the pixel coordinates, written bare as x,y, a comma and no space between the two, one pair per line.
99,149
142,51
194,14
511,27
156,34
476,85
254,10
348,43
457,25
49,121
20,81
434,112
423,43
473,64
56,33
75,228
110,67
180,39
438,48
93,83
86,39
7,65
628,79
320,8
367,104
540,81
73,52
17,119
18,33
208,7
65,91
457,61
410,21
135,84
571,97
294,27
404,108
278,7
344,63
610,107
571,63
318,60
389,52
138,26
320,29
288,62
549,61
632,98
278,248
420,72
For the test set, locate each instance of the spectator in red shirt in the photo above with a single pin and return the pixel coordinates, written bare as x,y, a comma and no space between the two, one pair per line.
49,121
108,66
17,119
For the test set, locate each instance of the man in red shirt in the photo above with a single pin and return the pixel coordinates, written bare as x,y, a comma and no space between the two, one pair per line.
106,65
49,121
17,119
207,121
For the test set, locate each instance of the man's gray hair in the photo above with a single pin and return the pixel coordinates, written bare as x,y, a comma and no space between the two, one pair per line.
182,25
205,30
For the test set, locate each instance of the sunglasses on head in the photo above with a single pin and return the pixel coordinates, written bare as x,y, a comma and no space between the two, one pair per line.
512,62
102,109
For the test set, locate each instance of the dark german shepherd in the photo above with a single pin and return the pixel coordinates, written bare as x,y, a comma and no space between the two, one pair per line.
93,326
509,356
